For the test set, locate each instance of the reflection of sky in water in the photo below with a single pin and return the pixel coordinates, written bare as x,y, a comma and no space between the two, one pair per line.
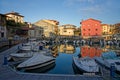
63,64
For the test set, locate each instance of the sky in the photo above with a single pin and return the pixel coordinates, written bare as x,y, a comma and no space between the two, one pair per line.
64,11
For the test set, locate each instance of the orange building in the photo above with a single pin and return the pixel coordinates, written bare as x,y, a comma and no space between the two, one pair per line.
90,51
91,28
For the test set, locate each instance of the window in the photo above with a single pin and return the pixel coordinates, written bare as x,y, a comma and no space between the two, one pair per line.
96,29
88,29
84,29
65,31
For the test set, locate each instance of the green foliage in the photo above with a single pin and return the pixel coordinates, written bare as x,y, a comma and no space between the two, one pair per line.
12,23
14,27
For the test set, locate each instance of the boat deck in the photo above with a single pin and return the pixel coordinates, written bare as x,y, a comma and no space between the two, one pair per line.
7,73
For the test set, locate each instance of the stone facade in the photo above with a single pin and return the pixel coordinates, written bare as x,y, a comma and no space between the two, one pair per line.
50,27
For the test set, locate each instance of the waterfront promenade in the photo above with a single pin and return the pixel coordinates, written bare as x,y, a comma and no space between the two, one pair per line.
7,73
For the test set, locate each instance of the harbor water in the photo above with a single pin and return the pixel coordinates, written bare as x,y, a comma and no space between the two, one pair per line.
64,63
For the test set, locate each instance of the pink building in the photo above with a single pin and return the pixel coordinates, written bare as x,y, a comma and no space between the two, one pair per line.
91,28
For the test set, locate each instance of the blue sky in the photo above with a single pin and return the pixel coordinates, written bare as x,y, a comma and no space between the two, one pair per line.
64,11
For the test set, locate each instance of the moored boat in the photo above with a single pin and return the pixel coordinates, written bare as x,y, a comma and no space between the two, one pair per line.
109,62
86,64
37,61
21,56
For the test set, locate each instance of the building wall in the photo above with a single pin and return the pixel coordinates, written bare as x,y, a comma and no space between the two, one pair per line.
15,16
31,33
3,31
49,29
90,28
67,30
107,31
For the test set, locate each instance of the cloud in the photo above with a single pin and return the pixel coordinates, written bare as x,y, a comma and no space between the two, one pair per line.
73,2
91,9
89,1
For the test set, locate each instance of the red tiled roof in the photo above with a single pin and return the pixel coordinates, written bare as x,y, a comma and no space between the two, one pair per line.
91,19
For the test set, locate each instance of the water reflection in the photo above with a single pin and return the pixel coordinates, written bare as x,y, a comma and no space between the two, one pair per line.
65,52
90,51
67,48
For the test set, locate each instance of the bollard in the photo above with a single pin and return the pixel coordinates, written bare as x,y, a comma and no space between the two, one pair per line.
112,70
40,47
5,61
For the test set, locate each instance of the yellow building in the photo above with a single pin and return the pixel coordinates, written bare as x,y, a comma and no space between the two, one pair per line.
67,30
107,31
50,27
15,16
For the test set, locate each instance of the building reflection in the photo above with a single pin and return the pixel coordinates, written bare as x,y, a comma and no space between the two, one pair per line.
90,51
115,49
55,51
68,49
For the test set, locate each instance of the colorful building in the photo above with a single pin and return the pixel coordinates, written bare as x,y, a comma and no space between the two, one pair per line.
107,31
15,16
50,27
67,30
91,28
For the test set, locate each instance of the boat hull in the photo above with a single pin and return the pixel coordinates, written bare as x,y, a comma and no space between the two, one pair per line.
38,65
19,58
106,64
81,68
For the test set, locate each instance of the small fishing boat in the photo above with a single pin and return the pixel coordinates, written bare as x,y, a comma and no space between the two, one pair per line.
37,61
86,64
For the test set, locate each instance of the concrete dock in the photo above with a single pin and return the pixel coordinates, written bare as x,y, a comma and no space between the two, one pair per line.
7,73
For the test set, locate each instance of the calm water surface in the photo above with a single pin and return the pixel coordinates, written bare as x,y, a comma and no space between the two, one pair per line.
64,53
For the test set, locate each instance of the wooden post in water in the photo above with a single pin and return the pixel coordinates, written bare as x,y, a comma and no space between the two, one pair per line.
5,61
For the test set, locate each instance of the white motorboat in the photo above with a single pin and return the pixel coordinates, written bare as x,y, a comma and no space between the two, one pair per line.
86,64
28,54
37,61
109,62
21,56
